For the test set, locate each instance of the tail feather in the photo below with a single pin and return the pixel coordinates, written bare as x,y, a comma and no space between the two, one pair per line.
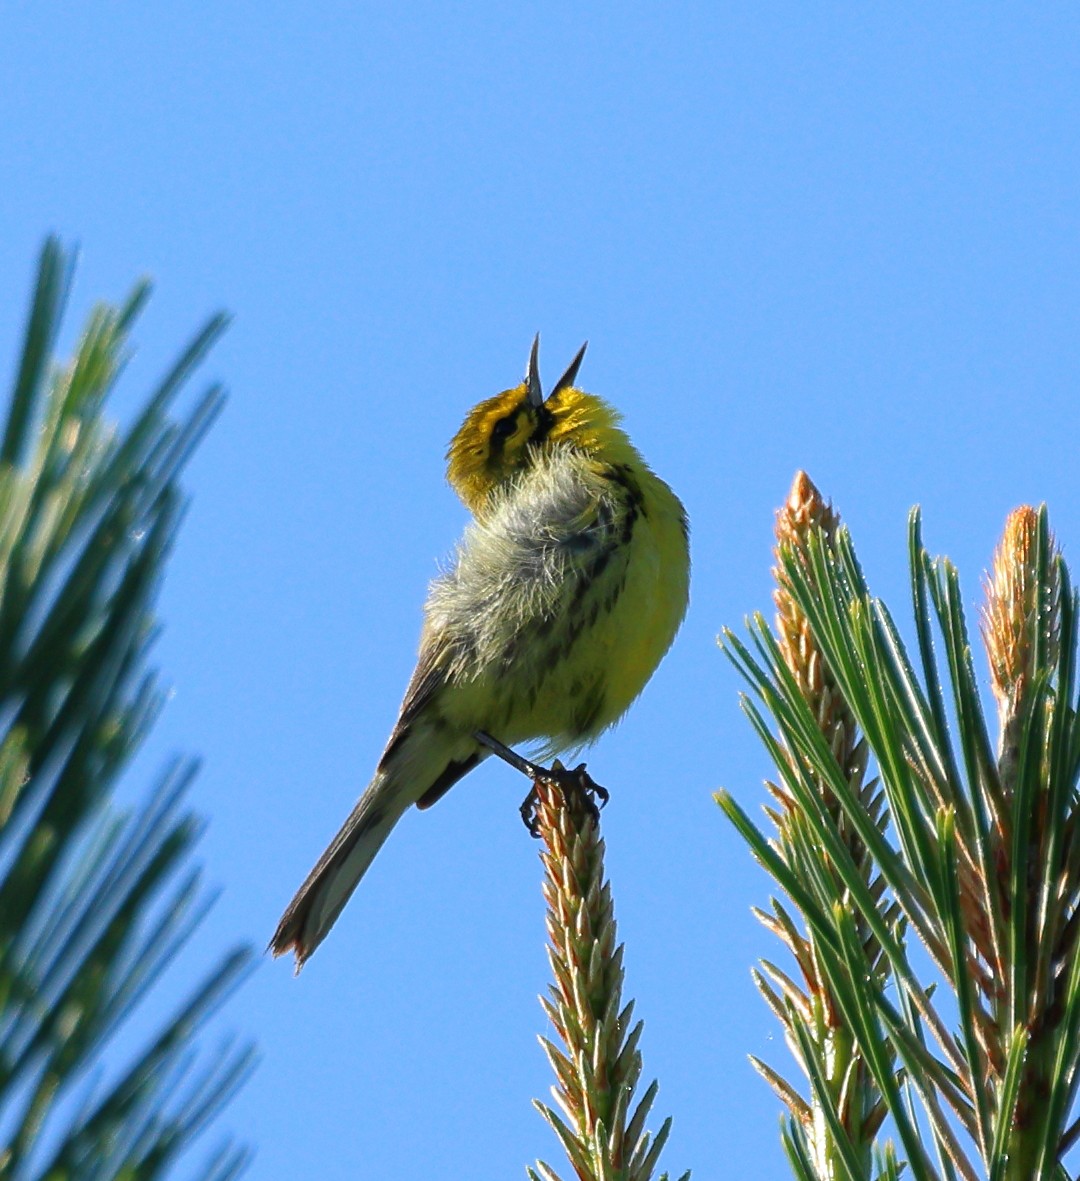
320,900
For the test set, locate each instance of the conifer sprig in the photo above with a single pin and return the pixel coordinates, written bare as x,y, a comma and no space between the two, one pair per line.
836,1125
95,902
598,1067
972,1044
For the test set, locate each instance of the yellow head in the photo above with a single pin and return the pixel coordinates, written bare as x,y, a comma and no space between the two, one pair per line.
502,436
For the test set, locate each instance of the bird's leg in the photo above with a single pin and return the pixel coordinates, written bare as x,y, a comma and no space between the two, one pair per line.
518,762
559,776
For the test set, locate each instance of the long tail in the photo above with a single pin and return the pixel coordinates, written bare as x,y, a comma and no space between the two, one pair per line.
327,888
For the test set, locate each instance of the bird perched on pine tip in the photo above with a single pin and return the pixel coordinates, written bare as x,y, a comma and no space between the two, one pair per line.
566,590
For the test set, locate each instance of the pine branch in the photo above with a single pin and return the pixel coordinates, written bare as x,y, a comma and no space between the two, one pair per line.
95,903
597,1070
973,850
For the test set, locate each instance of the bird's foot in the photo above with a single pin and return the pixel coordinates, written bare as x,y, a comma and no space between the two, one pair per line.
570,782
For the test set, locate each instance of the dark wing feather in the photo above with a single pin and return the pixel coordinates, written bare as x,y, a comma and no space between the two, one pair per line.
427,679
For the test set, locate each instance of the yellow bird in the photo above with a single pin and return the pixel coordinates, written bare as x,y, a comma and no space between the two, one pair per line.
567,589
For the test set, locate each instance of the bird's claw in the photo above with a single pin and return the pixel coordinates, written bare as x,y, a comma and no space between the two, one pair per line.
568,781
529,807
577,781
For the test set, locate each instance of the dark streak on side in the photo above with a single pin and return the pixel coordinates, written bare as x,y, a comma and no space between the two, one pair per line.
588,708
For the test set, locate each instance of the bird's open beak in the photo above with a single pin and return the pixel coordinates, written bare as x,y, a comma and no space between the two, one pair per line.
533,390
570,376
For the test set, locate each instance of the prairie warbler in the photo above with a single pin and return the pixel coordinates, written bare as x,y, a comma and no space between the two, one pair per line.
567,589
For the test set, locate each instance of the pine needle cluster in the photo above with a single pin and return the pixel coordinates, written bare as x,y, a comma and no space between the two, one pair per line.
962,1043
598,1067
95,901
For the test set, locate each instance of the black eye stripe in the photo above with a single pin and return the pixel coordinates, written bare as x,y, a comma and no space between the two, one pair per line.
545,420
505,427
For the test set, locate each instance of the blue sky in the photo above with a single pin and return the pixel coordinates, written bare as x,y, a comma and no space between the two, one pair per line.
836,237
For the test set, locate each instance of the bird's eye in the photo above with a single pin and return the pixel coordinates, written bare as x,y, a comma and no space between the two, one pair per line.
505,427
